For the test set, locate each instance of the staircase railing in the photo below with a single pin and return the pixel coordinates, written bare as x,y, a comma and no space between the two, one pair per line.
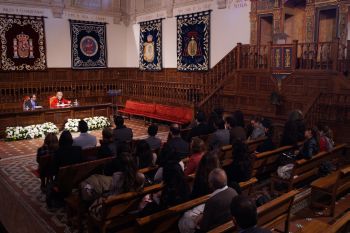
329,107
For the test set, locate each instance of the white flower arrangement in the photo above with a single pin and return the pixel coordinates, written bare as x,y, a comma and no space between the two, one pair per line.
94,123
30,131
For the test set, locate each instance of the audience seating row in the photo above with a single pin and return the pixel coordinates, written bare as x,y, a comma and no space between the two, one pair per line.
330,186
166,220
306,169
174,114
269,215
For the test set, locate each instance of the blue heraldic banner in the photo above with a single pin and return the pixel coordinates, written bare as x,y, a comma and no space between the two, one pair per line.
151,45
89,48
193,41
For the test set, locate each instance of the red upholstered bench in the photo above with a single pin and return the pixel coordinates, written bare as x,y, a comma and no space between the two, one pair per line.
174,114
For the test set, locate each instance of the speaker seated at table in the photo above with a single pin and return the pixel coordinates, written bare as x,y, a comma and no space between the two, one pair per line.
30,102
58,100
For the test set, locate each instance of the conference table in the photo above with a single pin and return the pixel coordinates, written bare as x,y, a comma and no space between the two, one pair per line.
57,115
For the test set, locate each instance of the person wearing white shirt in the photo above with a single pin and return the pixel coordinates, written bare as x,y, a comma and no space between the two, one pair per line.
84,140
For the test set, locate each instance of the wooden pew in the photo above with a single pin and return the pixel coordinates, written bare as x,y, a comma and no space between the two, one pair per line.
342,225
116,208
89,154
332,186
266,162
269,214
70,176
253,144
306,169
166,220
226,151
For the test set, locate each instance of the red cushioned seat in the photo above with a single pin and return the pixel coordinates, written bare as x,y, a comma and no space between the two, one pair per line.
180,115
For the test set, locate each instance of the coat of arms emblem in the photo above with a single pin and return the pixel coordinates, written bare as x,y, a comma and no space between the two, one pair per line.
22,46
148,49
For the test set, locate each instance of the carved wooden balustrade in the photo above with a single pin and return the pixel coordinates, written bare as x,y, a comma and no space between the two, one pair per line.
331,56
329,107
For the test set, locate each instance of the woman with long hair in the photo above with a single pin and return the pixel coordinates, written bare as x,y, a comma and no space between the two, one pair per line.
176,190
128,178
49,147
144,155
209,162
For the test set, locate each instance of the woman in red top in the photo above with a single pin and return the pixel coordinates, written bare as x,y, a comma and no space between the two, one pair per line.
198,149
59,100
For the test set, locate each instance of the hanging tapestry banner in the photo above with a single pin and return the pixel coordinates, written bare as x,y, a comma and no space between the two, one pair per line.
151,45
193,41
89,48
22,43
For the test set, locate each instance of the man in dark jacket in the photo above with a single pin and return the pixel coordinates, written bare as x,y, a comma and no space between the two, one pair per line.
217,208
180,146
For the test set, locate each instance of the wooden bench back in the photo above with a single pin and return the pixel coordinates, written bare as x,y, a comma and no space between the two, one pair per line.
117,205
166,220
70,176
226,151
89,154
267,161
305,168
253,144
269,214
276,211
342,225
343,182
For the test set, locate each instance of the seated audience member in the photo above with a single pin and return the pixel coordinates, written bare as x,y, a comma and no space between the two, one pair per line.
209,162
310,146
198,149
84,140
213,117
240,169
66,154
144,155
239,117
154,142
31,103
48,148
294,129
107,147
167,155
245,216
326,138
175,191
201,128
180,146
220,137
267,144
121,133
59,100
217,208
237,132
128,179
258,129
